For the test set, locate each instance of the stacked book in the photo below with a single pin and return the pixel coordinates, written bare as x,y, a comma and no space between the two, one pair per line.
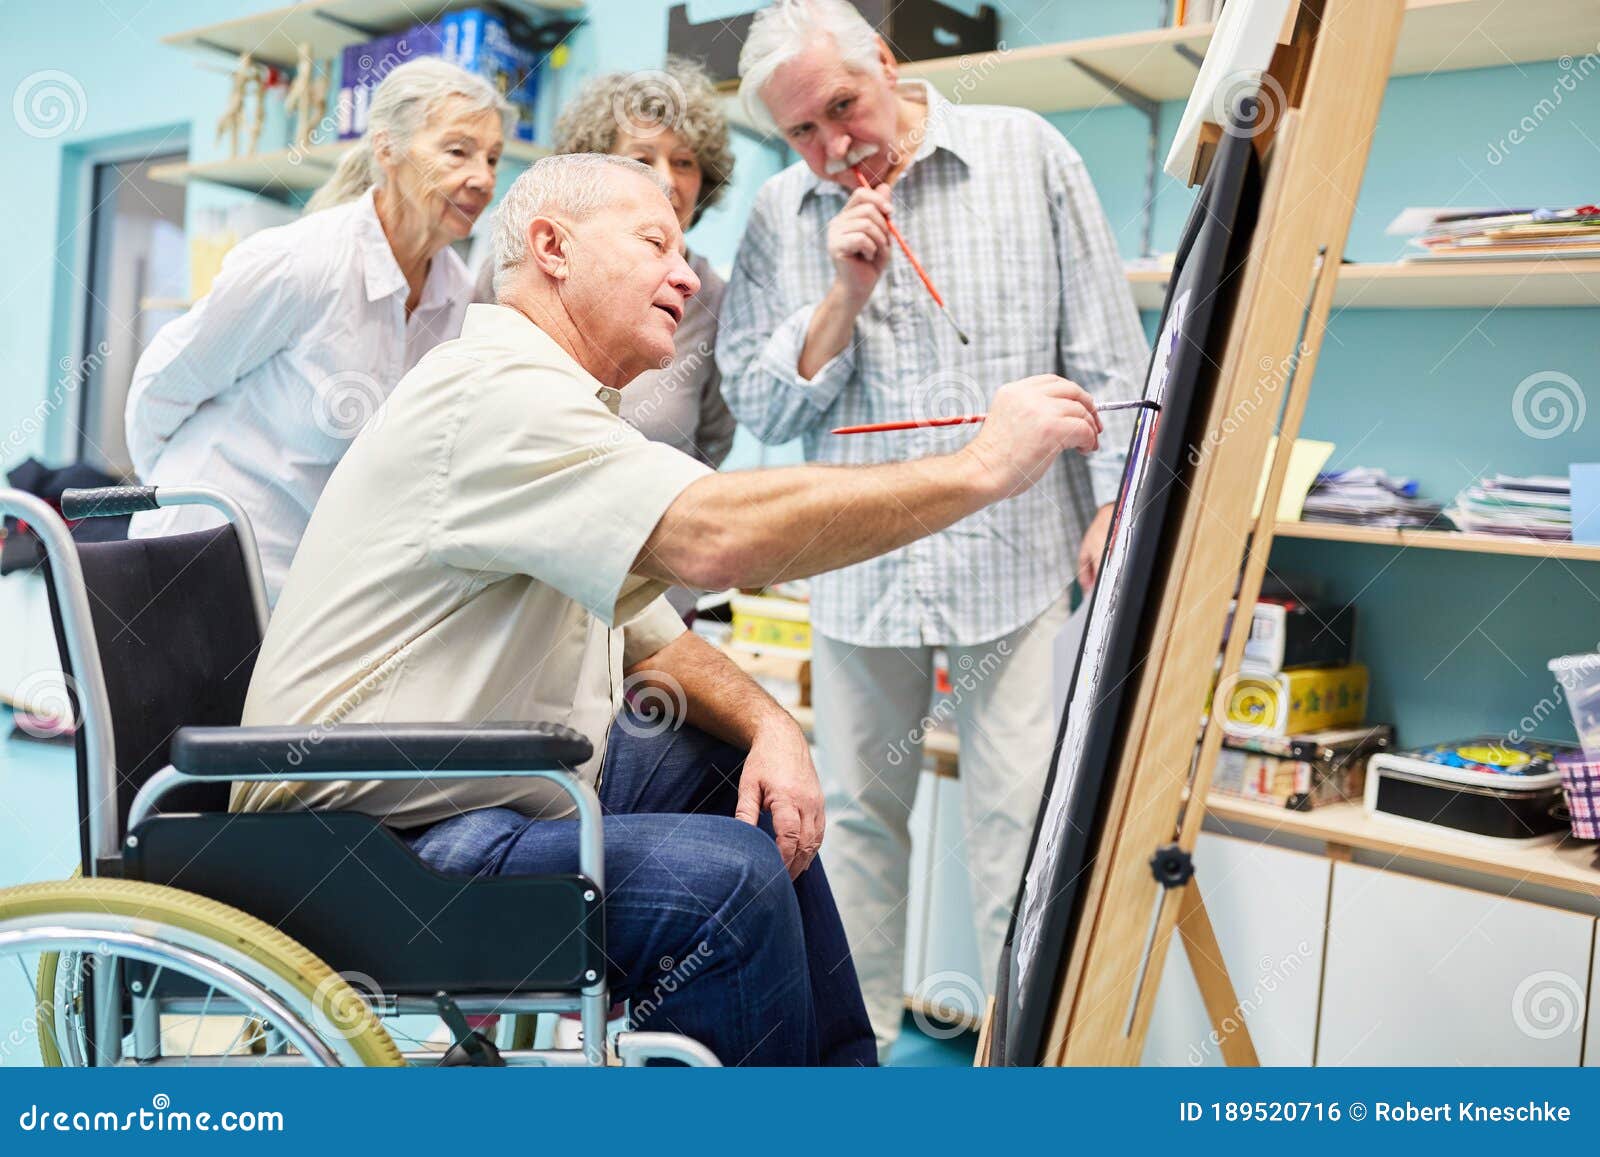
1499,234
1300,772
1532,507
1365,496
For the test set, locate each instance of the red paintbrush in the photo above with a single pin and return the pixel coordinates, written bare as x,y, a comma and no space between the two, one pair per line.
962,420
927,282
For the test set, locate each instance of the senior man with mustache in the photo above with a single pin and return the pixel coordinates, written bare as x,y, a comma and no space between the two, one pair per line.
495,545
824,324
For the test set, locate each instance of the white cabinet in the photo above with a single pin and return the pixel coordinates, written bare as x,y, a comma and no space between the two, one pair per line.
1268,907
1420,973
943,968
1591,1047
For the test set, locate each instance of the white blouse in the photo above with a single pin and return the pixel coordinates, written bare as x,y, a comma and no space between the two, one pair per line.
259,389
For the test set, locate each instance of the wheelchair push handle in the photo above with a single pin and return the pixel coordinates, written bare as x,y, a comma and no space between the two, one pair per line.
107,501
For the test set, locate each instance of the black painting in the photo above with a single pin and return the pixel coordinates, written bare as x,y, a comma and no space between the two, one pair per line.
1123,604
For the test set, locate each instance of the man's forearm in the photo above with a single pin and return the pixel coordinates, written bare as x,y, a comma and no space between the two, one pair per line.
833,323
752,528
720,698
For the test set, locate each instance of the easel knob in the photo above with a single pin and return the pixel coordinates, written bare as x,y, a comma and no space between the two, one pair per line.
1172,866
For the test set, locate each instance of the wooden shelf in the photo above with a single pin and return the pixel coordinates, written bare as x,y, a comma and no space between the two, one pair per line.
1438,540
1449,35
1568,866
1438,36
328,26
285,171
1490,285
1045,78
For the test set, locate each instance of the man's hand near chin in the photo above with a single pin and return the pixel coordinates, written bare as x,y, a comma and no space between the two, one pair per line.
1093,547
778,775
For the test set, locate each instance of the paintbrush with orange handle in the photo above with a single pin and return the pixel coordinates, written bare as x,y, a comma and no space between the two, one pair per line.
917,265
964,419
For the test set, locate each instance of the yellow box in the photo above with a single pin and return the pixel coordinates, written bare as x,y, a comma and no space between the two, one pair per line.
1302,699
765,623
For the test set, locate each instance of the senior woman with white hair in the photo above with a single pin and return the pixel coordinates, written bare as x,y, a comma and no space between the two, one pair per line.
260,388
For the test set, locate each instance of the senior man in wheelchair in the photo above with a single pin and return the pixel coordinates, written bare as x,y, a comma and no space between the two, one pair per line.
495,546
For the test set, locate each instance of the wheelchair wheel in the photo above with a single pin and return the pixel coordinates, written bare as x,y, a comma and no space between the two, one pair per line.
192,981
49,1007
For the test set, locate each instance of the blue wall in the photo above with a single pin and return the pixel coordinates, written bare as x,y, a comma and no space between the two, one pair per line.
1457,641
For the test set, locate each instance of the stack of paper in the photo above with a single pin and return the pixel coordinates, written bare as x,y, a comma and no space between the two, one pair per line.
1532,507
1366,496
1499,234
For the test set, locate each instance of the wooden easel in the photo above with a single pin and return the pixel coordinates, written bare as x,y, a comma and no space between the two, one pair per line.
1333,70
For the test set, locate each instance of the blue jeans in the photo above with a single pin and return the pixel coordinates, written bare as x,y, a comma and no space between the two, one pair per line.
705,933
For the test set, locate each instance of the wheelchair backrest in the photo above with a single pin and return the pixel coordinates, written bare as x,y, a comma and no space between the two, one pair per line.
176,636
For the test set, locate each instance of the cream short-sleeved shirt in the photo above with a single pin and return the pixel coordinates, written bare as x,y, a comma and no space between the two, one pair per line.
470,561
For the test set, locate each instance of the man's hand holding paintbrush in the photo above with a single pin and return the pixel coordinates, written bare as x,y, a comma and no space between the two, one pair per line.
861,238
859,246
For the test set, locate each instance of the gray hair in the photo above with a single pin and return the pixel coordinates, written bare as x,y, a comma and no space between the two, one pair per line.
782,32
573,185
405,101
679,97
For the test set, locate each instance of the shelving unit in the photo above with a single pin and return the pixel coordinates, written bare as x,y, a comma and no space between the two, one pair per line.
1440,35
1489,285
328,26
283,172
1161,64
1438,540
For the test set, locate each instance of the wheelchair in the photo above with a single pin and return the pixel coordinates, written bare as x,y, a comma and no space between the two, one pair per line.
194,936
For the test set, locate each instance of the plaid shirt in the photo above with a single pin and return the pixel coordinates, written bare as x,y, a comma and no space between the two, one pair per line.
1000,210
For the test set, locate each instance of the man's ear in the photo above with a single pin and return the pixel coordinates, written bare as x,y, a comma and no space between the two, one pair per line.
547,247
891,66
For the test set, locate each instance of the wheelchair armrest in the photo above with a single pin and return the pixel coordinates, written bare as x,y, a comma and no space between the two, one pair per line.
414,748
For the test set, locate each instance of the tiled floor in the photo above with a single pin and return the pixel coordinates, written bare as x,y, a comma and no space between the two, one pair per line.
38,842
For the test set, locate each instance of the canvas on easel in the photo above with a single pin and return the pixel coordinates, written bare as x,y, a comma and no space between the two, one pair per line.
1110,876
1182,374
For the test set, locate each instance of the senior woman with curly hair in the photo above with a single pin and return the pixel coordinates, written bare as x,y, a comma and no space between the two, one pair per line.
669,120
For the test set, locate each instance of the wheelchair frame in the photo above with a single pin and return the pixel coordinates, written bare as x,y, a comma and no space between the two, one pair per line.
229,970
